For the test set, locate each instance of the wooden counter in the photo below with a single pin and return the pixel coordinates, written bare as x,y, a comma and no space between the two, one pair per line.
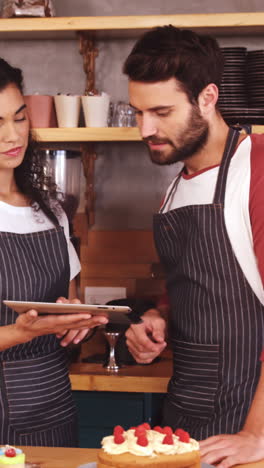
59,457
48,457
152,378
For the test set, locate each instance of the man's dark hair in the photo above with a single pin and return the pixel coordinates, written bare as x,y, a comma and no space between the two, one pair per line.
168,52
30,176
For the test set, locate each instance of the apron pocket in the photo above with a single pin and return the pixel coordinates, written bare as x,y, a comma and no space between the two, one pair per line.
193,386
38,392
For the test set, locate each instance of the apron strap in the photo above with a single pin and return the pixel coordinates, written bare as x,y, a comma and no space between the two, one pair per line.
230,146
172,190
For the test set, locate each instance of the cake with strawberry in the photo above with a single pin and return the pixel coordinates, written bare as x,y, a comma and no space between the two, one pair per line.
144,447
12,457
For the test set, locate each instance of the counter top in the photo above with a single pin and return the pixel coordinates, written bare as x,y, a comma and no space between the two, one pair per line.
152,378
57,457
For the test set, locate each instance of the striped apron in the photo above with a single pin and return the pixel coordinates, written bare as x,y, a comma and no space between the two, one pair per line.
36,405
216,322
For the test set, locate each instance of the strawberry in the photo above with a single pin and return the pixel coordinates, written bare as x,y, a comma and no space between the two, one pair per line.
118,430
141,426
179,432
158,429
140,430
118,439
146,426
142,440
167,430
168,439
183,435
10,452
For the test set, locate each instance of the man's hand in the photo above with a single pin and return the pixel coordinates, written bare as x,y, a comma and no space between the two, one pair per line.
146,340
225,451
75,336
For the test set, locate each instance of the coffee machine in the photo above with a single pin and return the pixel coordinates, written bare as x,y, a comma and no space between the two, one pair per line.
64,165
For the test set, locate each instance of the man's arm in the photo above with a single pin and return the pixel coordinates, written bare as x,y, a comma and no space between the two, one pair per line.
246,446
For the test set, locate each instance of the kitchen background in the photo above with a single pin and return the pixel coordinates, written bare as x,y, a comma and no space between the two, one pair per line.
128,186
118,250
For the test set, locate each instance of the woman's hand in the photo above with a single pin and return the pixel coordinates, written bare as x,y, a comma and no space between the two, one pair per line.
30,325
73,327
75,336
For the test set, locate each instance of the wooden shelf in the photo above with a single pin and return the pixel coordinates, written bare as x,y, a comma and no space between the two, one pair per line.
109,26
84,134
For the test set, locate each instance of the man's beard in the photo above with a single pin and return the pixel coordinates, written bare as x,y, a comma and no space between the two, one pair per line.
192,139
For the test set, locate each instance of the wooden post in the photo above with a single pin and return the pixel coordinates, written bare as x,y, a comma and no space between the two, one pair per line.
89,54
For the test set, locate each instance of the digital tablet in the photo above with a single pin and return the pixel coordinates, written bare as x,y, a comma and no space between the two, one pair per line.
114,313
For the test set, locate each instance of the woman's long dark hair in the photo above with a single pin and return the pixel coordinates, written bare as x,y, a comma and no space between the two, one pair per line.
30,175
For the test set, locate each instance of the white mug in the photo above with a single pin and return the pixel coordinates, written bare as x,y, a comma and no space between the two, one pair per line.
95,109
67,110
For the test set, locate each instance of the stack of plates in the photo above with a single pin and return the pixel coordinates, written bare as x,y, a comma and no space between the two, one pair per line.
255,78
241,98
233,93
255,86
243,116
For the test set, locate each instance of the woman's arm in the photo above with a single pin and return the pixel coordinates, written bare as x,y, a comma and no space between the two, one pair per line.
11,335
30,325
21,331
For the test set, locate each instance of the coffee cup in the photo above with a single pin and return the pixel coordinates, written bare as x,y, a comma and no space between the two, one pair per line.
95,109
67,110
41,110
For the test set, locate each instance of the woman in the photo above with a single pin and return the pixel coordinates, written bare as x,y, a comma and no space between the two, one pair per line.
37,262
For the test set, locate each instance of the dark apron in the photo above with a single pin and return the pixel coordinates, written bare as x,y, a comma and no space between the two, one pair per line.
216,322
36,405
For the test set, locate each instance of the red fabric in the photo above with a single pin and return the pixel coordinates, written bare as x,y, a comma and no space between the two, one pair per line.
256,200
256,203
163,300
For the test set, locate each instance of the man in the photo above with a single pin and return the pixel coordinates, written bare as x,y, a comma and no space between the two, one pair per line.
209,235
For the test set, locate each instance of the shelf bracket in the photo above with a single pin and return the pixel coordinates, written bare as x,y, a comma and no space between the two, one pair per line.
89,53
88,160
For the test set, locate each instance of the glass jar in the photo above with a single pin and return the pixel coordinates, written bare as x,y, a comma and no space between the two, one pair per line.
24,8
